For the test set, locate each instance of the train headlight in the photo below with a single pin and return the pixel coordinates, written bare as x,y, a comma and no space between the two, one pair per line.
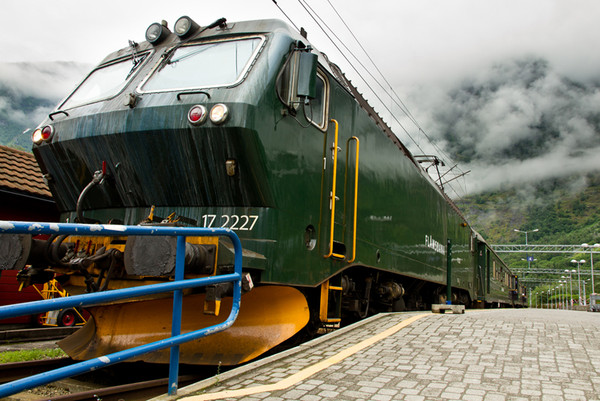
156,33
197,115
185,27
42,134
219,113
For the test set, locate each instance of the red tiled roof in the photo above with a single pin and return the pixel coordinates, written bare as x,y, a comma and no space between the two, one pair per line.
20,172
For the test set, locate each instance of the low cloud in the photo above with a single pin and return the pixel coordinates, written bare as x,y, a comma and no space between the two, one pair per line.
50,81
514,123
28,92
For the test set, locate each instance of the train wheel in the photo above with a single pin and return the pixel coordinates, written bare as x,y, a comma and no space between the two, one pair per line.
399,305
40,319
66,318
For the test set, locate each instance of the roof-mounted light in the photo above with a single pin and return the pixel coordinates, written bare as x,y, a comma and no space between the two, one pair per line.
185,27
156,32
43,134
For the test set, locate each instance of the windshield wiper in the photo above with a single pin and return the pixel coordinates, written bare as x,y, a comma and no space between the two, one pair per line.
134,58
222,22
190,54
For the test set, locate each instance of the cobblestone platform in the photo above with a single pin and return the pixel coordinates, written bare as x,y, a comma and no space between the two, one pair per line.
481,355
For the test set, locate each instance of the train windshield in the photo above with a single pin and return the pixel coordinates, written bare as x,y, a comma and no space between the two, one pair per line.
205,65
104,82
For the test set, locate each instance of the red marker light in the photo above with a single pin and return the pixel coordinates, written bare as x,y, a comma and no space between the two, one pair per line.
47,132
197,115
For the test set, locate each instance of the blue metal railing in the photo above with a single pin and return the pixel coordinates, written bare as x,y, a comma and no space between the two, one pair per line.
177,286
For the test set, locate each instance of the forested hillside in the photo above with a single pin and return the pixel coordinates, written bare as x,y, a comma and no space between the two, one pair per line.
565,211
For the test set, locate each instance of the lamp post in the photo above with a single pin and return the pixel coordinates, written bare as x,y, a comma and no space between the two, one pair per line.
591,262
558,300
579,263
570,285
526,243
563,294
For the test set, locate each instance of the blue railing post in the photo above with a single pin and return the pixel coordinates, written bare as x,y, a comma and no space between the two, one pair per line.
176,324
96,298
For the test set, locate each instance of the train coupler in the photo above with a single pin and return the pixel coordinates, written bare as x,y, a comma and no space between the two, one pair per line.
214,293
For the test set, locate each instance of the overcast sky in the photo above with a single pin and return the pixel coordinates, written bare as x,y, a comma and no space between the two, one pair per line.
429,44
412,39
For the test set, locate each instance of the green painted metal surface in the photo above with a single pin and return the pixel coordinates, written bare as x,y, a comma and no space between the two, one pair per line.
278,198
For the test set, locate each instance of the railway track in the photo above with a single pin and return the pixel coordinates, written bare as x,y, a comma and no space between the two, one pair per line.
126,381
19,370
35,334
137,391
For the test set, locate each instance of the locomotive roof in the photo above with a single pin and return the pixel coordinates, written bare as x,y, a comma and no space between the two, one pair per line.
233,29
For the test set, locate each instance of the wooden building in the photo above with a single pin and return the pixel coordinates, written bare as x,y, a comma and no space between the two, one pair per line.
23,197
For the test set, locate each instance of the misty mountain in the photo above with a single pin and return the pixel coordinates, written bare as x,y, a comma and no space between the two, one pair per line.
28,92
515,123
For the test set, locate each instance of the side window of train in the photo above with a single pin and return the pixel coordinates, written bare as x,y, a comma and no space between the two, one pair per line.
316,109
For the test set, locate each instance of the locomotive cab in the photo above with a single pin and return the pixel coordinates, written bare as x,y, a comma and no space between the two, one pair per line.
169,132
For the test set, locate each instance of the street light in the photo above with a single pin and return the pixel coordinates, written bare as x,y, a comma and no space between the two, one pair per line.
591,261
526,243
579,263
570,285
563,292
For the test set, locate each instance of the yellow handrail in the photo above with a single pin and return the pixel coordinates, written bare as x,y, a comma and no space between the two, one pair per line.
355,192
332,198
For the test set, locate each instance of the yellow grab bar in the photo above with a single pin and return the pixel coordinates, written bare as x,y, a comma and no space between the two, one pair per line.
355,207
332,198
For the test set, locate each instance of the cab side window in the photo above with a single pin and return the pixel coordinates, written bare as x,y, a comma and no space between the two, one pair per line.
316,108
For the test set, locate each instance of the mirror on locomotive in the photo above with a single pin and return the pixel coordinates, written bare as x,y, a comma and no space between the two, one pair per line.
307,75
301,86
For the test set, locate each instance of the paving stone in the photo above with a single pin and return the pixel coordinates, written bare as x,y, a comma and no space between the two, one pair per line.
481,355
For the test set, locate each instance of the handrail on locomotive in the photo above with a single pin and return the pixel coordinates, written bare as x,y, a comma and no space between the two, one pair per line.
177,286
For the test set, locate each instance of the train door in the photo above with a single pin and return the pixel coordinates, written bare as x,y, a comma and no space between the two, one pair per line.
481,270
488,267
340,193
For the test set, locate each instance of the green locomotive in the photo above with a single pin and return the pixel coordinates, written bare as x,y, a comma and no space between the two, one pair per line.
245,125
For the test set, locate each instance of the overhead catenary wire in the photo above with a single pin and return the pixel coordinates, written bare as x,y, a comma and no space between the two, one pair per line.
401,104
310,12
391,93
286,16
